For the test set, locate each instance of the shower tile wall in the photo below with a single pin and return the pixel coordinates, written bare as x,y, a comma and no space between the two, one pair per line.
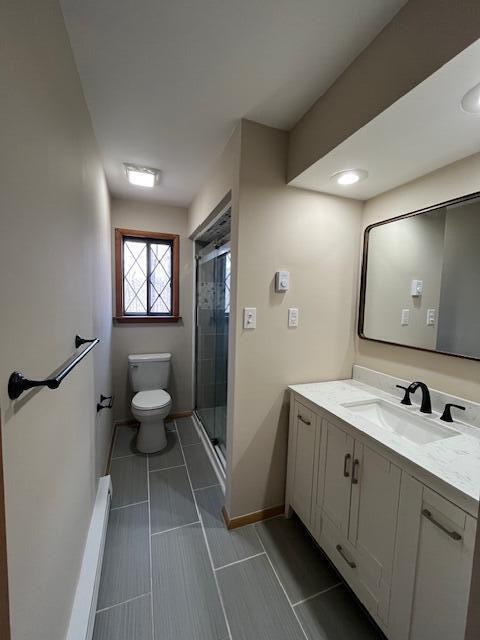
212,343
206,332
221,360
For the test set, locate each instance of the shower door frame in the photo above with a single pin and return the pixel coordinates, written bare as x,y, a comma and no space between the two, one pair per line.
222,248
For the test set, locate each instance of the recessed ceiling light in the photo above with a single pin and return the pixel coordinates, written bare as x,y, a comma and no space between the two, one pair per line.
471,100
142,176
349,176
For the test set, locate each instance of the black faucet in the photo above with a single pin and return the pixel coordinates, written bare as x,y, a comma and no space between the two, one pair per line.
447,412
426,406
406,395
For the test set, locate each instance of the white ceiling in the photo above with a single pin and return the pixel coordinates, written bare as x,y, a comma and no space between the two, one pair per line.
166,81
425,130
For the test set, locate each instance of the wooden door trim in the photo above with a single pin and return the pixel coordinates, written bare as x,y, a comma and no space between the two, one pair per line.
4,602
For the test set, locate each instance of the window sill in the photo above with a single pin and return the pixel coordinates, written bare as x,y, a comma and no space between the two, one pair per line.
146,319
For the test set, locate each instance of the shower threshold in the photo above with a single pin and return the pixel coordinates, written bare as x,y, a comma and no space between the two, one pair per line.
215,446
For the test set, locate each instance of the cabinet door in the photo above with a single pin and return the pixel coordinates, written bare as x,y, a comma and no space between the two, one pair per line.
373,522
304,425
334,477
443,570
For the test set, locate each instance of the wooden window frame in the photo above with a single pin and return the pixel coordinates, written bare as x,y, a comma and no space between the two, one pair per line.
120,317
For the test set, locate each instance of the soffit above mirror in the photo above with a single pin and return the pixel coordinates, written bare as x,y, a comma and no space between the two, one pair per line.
424,130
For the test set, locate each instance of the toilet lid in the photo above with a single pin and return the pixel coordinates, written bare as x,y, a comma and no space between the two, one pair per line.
153,399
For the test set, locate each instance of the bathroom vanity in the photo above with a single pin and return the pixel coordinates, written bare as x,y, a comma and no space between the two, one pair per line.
391,496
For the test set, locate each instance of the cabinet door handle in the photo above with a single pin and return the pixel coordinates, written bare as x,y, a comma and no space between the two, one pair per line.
350,563
356,464
453,534
346,473
304,420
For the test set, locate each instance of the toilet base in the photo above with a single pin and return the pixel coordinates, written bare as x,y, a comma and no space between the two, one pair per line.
152,436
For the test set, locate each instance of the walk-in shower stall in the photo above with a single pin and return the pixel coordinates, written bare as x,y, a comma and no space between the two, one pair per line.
212,323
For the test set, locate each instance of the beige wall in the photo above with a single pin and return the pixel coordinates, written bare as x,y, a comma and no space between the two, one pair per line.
55,282
316,238
424,35
175,338
447,373
222,178
399,252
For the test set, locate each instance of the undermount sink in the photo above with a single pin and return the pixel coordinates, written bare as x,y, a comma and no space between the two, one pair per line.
396,420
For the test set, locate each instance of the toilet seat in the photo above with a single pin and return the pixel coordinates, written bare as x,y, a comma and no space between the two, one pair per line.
150,400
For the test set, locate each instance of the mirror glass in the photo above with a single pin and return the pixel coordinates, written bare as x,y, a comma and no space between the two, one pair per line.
421,279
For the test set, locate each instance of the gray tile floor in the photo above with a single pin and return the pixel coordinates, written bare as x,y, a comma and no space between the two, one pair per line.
172,571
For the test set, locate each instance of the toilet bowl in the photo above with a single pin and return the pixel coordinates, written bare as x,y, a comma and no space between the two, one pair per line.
149,376
150,408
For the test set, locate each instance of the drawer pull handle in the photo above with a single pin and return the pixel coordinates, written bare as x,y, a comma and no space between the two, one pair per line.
356,464
453,534
350,563
302,419
346,472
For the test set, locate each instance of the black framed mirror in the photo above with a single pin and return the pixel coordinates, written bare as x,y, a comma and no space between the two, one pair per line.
420,282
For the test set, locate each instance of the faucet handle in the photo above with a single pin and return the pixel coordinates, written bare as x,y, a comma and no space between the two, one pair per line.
447,414
406,397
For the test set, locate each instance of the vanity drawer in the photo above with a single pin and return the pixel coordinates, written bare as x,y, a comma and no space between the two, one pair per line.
339,550
349,564
443,512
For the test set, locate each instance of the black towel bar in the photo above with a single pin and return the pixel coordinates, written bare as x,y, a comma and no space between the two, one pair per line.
17,383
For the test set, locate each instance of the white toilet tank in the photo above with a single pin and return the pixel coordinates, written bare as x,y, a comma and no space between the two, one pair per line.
149,371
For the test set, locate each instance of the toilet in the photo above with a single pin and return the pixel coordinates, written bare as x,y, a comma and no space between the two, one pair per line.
149,375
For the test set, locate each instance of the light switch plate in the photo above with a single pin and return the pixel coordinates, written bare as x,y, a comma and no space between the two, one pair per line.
431,317
249,318
405,319
293,317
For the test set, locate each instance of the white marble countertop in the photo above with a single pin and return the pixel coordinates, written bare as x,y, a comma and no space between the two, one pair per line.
450,466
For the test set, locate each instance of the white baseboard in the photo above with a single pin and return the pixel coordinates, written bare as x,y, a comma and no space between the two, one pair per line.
84,607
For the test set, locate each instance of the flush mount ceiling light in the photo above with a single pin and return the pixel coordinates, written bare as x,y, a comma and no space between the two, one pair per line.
142,176
349,176
471,100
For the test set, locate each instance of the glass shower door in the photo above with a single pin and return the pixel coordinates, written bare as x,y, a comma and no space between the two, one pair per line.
213,311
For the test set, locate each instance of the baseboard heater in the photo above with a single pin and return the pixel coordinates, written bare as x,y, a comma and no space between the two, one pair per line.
84,607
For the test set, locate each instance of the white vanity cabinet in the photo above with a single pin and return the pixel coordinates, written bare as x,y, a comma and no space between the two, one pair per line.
356,514
405,550
433,566
302,450
333,490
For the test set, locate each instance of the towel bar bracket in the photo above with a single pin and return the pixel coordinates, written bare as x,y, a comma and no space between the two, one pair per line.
79,341
17,382
101,405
